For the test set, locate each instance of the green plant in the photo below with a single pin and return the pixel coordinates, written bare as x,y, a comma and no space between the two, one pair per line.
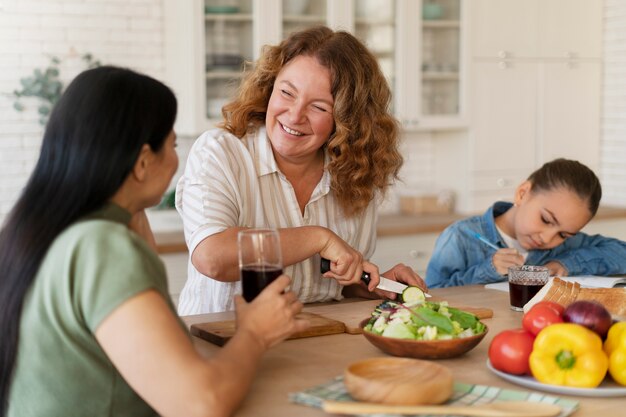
45,85
168,201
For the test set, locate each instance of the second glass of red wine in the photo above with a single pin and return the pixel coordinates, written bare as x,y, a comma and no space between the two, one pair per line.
260,260
525,282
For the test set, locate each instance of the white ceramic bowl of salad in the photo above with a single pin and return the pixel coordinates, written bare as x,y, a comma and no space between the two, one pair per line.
422,329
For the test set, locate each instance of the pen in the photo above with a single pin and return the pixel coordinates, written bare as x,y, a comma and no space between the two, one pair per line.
485,241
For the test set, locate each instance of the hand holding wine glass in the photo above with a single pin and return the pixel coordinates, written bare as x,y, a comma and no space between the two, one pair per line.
260,260
260,264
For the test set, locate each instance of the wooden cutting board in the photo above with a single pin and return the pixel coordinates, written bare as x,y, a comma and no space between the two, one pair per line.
219,332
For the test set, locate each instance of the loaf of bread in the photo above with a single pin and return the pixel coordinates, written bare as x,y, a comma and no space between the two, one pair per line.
565,293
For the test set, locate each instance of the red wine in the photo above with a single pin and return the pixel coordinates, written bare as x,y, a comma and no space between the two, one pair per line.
521,294
254,278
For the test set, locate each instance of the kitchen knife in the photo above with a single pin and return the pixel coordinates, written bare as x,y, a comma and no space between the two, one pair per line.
385,284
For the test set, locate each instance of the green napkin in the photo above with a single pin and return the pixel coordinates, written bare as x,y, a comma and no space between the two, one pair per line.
463,394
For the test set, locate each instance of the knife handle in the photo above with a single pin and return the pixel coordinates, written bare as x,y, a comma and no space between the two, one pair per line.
325,267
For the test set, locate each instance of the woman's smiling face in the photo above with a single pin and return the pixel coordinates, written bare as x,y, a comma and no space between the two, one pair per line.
299,117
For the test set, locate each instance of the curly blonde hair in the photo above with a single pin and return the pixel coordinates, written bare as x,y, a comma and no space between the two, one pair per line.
363,148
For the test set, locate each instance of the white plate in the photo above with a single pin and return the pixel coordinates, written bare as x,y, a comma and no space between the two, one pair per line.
606,389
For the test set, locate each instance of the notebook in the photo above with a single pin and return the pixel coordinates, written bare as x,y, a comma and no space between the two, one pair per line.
585,281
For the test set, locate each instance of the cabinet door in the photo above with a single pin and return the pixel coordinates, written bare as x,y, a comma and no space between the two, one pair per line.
375,26
615,228
504,28
430,63
412,250
570,111
301,14
570,28
504,104
176,269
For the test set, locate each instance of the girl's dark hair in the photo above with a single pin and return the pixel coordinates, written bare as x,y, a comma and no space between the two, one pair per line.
90,145
571,175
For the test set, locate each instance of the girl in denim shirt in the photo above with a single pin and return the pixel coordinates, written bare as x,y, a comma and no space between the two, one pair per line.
541,227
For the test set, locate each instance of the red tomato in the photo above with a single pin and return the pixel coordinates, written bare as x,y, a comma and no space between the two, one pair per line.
542,315
558,307
509,351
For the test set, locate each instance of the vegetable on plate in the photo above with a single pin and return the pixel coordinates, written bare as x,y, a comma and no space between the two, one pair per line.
590,314
541,315
568,354
509,351
615,348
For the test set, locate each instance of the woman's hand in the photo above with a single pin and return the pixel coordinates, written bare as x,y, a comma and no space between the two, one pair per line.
556,269
271,316
404,274
506,257
347,264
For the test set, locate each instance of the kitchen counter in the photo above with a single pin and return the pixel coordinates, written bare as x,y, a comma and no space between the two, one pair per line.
168,226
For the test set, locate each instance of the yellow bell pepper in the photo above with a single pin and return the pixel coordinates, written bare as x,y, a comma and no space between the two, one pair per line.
568,354
615,348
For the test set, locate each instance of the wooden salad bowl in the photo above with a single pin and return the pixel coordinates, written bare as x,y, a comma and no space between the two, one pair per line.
398,381
423,349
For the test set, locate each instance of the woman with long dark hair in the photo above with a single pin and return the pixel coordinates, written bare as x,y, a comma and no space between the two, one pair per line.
86,321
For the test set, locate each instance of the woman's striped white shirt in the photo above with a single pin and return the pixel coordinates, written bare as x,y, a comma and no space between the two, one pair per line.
232,182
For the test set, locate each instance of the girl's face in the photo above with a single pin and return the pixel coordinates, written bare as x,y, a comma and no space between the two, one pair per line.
299,117
544,219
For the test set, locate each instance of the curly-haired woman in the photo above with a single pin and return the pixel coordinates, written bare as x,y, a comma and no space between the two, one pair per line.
307,147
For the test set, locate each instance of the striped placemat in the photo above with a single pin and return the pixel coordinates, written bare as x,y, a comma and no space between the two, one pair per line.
464,394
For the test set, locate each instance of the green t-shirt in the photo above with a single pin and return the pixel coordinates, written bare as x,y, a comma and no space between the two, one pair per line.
90,269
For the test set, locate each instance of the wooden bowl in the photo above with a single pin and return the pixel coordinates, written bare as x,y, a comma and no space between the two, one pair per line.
423,349
398,381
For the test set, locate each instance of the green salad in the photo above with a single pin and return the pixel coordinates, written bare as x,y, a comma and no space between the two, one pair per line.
418,319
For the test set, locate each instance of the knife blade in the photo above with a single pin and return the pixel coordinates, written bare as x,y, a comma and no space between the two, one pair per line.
385,284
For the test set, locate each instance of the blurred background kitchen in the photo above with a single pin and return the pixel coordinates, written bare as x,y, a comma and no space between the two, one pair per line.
486,90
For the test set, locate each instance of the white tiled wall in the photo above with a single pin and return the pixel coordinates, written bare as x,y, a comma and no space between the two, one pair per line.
130,33
120,32
613,149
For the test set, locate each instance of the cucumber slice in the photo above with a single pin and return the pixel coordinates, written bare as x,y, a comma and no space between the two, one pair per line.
412,294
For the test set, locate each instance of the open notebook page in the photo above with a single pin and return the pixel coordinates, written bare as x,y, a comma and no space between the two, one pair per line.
587,281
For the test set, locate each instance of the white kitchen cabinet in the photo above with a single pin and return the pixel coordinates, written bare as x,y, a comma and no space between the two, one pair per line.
504,103
207,42
569,112
518,29
176,268
535,91
412,250
607,227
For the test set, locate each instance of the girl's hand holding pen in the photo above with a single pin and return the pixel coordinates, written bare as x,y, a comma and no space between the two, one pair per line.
506,257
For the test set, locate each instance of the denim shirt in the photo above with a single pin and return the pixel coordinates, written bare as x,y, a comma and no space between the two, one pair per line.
460,258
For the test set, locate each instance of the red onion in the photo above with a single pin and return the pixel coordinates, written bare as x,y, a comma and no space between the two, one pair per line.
590,314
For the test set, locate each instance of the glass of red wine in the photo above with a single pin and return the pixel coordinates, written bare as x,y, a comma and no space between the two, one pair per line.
525,281
260,260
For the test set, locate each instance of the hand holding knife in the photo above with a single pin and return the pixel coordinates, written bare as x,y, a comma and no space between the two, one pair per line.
385,284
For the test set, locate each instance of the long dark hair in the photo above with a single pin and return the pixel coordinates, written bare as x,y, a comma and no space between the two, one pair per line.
571,175
91,143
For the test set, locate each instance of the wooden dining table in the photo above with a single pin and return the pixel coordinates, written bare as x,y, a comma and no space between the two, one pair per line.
298,364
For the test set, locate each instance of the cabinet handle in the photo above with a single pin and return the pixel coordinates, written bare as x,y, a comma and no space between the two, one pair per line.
571,55
503,65
502,182
503,54
416,254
